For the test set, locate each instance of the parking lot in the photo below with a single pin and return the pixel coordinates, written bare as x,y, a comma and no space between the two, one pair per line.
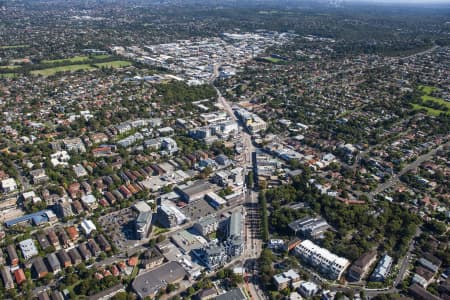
119,226
198,209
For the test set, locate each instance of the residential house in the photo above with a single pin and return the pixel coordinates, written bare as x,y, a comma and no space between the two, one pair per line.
361,266
12,255
20,277
64,258
7,278
53,263
286,279
75,256
39,267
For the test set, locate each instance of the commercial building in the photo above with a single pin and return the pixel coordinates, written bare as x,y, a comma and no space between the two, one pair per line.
168,215
309,227
143,224
151,258
382,269
234,242
326,262
285,279
252,122
361,266
212,256
149,283
186,241
207,225
194,191
215,200
28,249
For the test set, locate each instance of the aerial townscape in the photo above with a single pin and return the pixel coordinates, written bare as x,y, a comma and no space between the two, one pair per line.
230,150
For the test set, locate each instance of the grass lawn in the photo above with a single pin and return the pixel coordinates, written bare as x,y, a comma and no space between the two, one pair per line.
114,64
52,71
427,89
272,59
438,100
101,56
14,46
71,59
134,272
9,67
8,75
430,111
158,230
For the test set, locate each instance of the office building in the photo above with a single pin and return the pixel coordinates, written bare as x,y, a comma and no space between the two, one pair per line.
168,215
143,224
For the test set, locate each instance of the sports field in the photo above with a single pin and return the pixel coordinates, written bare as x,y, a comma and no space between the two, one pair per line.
114,64
427,90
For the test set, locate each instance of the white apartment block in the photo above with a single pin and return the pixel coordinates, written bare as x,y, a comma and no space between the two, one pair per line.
327,262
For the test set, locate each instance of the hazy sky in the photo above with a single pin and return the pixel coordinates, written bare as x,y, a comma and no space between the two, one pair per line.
403,1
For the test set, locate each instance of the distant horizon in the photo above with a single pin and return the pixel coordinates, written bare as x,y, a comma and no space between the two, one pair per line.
402,1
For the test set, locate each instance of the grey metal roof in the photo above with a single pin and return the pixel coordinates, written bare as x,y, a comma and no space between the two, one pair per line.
150,282
236,224
53,262
235,294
